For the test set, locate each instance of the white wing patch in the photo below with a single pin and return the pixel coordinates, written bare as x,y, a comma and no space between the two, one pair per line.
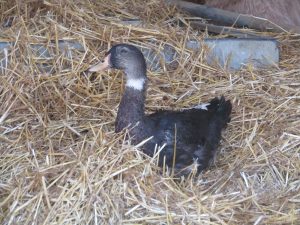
202,106
137,84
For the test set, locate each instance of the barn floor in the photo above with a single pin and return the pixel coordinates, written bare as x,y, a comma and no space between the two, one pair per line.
60,161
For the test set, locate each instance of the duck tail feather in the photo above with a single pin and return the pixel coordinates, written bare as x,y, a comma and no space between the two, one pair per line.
224,111
219,122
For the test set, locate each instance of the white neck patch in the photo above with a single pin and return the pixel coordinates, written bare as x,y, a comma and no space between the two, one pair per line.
137,84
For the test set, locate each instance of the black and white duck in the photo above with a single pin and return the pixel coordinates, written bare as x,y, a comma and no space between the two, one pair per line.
190,137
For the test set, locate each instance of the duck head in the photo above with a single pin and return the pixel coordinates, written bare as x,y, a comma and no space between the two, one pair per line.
124,57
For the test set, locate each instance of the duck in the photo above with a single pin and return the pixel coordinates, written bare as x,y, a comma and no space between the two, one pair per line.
184,140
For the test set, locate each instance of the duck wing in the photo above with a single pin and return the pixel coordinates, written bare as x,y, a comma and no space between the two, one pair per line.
193,134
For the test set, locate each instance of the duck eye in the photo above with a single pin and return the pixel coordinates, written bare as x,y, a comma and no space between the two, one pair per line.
123,51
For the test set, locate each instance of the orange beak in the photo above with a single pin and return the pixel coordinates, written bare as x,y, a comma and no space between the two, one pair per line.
101,66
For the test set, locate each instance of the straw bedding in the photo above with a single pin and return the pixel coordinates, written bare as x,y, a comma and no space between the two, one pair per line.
61,162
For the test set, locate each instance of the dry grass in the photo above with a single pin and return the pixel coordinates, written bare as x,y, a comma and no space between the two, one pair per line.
61,162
